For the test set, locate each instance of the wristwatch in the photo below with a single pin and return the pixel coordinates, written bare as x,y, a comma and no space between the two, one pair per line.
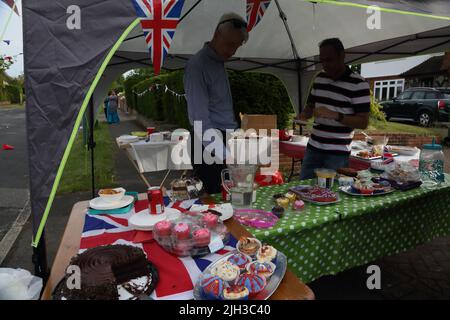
340,117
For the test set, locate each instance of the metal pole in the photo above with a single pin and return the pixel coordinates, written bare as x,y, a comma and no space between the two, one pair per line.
92,143
39,259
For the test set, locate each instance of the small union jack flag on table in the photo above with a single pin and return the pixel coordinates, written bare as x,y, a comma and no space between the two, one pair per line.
255,12
177,276
159,20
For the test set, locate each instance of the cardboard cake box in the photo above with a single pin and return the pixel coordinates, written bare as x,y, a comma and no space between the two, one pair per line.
259,121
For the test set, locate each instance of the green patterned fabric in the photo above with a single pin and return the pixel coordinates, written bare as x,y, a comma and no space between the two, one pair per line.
324,240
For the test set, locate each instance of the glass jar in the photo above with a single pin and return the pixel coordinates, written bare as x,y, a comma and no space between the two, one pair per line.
431,165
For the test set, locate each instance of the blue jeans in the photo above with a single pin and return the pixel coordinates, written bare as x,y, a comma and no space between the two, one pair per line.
315,159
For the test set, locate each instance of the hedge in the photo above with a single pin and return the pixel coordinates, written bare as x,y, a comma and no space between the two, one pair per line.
252,94
10,93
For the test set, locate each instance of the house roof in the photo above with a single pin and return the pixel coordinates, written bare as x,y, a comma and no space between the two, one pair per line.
431,66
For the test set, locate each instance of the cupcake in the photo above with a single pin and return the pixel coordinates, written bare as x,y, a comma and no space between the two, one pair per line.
181,231
249,246
212,287
253,282
291,196
163,228
226,271
277,196
239,259
283,202
265,269
267,254
202,237
235,293
278,211
298,205
183,248
210,220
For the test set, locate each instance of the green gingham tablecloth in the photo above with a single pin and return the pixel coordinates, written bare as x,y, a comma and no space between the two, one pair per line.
325,240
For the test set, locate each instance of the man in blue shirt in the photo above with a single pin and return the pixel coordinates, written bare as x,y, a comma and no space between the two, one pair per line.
209,97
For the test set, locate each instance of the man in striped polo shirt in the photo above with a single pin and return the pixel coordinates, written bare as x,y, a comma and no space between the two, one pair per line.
339,101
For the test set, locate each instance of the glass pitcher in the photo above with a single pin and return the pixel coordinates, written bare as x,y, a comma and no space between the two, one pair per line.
431,165
239,184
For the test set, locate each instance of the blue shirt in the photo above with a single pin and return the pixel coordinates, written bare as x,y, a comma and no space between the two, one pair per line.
208,92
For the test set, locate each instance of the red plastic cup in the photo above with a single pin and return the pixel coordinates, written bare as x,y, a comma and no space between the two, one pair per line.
150,130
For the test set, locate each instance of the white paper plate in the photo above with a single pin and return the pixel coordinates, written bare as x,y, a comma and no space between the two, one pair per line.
225,209
145,221
100,204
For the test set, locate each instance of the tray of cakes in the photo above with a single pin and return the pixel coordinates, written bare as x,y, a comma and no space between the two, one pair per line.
193,234
316,195
252,272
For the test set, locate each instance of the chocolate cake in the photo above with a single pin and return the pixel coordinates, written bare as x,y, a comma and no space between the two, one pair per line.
105,268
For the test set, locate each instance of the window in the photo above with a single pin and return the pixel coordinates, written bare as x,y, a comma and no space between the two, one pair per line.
405,95
418,95
431,95
386,90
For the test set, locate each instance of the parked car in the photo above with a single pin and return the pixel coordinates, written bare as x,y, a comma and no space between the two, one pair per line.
421,105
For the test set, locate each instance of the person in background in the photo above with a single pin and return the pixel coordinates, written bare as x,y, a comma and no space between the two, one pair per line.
339,101
123,102
105,105
208,94
113,116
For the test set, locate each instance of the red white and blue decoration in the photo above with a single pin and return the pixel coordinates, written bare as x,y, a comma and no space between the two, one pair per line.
159,20
255,12
177,276
12,5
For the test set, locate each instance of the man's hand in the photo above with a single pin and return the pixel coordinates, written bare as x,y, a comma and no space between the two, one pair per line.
325,113
303,117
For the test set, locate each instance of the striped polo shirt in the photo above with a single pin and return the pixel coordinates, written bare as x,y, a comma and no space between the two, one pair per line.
350,94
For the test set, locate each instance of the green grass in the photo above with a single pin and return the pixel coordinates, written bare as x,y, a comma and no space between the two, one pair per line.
395,127
77,173
377,126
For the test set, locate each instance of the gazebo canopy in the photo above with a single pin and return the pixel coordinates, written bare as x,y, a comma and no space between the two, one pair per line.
67,69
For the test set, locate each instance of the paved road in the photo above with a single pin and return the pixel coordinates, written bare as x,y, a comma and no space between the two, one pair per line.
13,166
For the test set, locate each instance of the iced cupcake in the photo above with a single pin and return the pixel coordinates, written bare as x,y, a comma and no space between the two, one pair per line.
212,287
210,220
163,228
248,246
239,259
265,269
182,231
253,282
202,237
267,254
226,271
235,293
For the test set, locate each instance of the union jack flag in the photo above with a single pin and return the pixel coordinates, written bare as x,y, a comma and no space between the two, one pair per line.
159,20
177,276
12,5
255,12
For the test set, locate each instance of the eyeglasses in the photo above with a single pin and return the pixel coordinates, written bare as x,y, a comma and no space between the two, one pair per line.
238,24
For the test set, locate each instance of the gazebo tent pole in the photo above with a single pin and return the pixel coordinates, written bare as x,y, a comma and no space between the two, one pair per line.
92,143
39,259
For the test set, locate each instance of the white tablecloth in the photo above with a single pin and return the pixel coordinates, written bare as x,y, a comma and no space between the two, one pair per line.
159,156
355,151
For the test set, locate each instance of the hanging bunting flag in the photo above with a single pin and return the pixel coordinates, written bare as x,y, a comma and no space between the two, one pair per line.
255,12
7,42
159,20
12,5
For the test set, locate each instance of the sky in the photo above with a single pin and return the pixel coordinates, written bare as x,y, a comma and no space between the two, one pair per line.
13,33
